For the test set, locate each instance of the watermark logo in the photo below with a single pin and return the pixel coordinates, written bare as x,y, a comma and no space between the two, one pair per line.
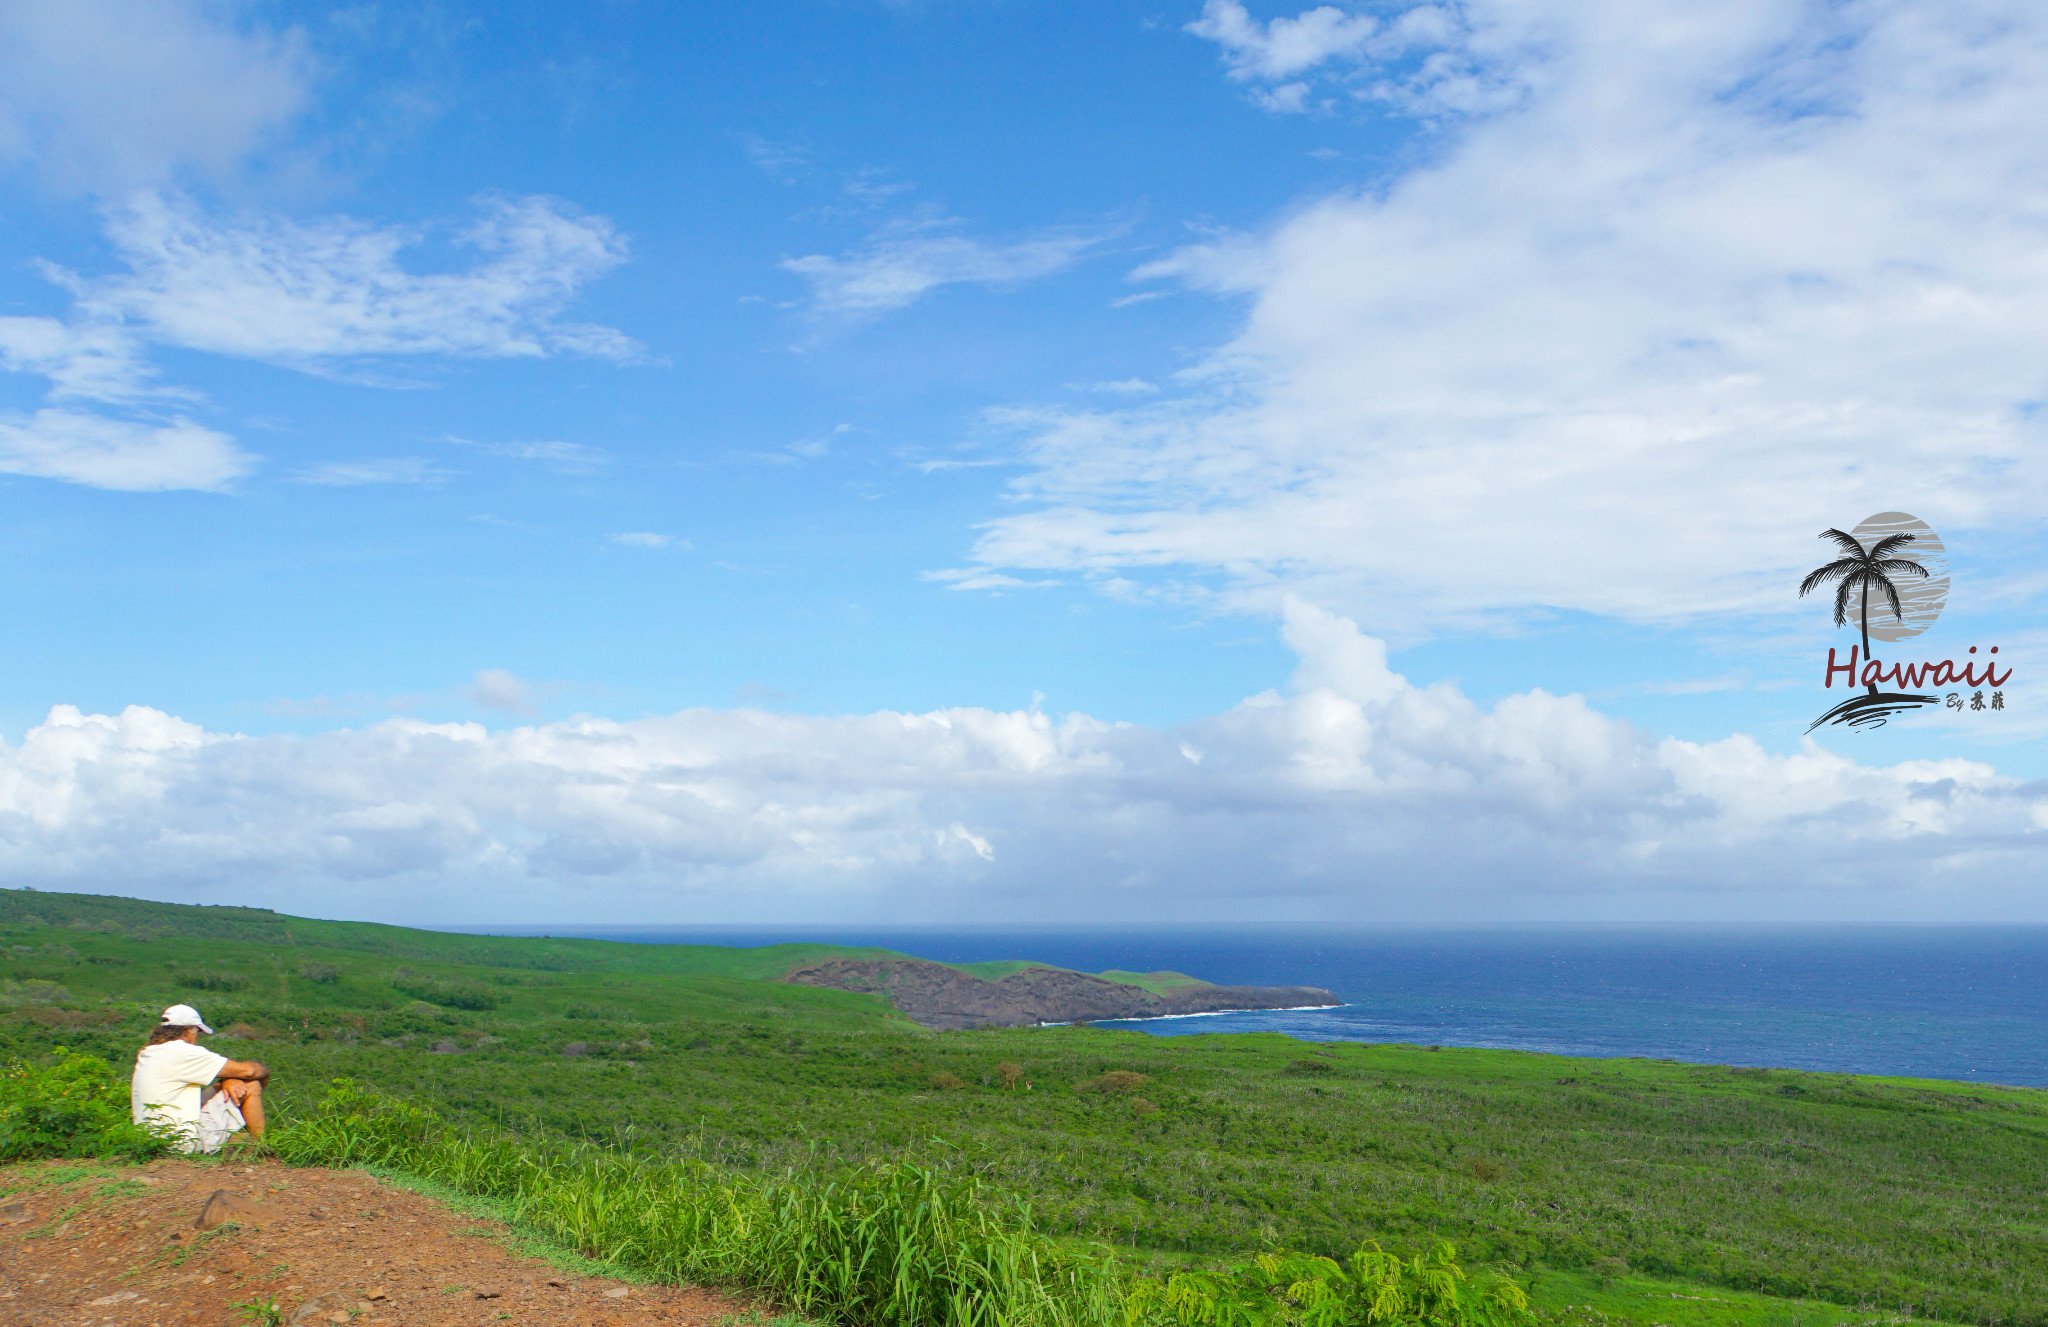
1890,582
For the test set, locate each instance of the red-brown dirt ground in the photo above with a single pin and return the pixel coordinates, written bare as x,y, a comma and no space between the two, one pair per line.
115,1246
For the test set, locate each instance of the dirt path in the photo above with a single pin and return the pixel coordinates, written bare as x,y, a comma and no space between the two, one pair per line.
101,1245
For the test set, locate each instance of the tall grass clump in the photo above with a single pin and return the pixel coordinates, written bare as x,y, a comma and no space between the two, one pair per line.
897,1245
1300,1290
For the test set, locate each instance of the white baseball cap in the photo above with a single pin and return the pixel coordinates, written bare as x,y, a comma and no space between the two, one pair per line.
184,1016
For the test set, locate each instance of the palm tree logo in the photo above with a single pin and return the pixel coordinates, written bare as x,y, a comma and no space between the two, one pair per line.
1860,571
1864,572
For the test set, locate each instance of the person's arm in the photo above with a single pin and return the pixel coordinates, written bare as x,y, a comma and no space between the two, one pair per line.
249,1069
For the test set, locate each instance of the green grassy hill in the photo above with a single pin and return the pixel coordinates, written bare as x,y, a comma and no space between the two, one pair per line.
1622,1182
141,920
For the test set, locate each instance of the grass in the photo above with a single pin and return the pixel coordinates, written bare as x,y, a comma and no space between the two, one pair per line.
1159,983
520,1239
898,1244
1586,1299
1881,1194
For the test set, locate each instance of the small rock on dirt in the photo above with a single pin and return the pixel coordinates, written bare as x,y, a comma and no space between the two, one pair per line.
620,1293
330,1307
223,1207
14,1214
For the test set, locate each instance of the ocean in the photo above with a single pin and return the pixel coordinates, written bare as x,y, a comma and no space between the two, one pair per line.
1963,1003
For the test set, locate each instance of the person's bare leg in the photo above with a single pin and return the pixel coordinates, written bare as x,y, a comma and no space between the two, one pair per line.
247,1094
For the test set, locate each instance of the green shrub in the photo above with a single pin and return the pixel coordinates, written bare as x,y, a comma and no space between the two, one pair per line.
415,1019
1116,1081
1300,1290
76,1106
324,973
32,990
216,981
452,993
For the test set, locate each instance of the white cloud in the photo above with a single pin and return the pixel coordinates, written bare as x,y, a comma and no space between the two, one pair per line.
785,162
129,99
968,578
649,539
1354,796
305,295
1285,46
119,454
112,94
571,458
309,293
102,363
377,470
1482,56
812,448
901,265
866,192
500,689
1683,286
83,363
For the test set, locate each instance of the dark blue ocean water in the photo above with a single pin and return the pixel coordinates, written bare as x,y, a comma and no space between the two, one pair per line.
1959,1003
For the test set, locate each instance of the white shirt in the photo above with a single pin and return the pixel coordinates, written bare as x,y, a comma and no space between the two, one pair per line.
167,1082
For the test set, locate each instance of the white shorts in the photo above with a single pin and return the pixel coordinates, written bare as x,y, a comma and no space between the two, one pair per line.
218,1118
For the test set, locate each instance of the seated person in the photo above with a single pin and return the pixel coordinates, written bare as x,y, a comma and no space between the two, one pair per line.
174,1084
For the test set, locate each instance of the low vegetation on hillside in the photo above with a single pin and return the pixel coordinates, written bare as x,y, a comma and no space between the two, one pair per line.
1182,1154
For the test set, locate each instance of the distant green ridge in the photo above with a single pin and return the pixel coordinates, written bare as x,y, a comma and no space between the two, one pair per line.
145,920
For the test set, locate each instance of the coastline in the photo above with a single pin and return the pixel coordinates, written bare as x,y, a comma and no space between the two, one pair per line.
1206,1013
1960,1003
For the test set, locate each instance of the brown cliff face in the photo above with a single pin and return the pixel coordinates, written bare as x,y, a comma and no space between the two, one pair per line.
941,997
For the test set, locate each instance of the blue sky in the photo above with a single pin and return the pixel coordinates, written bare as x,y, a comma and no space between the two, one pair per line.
948,461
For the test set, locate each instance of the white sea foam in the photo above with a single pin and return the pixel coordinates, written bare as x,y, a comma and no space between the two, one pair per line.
1206,1013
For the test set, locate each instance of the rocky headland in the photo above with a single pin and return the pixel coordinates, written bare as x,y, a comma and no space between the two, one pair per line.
938,996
